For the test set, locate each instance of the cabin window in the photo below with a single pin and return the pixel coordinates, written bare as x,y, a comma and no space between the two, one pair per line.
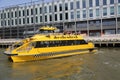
41,44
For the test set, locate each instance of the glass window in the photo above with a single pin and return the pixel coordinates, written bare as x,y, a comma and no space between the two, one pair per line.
97,12
45,9
66,6
104,2
11,14
23,20
78,14
118,9
61,16
104,11
31,19
12,22
19,21
111,1
84,3
97,2
36,19
23,12
50,9
60,7
19,13
55,17
15,13
4,15
112,10
5,23
118,1
50,17
16,22
90,3
84,13
36,11
66,16
40,10
72,15
77,4
27,12
91,13
31,11
8,22
55,8
28,20
45,18
8,15
71,5
1,23
40,18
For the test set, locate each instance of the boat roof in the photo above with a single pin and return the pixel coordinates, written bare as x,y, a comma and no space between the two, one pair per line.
55,37
48,28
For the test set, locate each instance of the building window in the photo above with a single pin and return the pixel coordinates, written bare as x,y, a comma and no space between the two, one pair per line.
36,10
71,5
72,15
45,18
111,1
118,1
4,15
104,2
28,20
91,13
8,22
78,14
60,7
36,19
112,10
40,10
40,18
77,4
50,9
19,21
97,2
32,20
50,17
45,9
15,13
84,3
61,16
11,14
1,16
12,22
55,17
23,12
27,12
104,11
118,9
97,12
66,6
19,13
90,3
23,20
8,15
55,8
84,13
16,22
66,16
31,11
5,23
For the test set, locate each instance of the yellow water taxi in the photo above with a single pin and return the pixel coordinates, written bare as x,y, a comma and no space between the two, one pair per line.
48,44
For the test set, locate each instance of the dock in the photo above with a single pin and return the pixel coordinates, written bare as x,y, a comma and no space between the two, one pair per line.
99,41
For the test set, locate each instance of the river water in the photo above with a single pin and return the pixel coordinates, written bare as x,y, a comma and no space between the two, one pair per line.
103,65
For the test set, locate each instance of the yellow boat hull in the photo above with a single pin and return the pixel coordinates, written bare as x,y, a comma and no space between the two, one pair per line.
24,58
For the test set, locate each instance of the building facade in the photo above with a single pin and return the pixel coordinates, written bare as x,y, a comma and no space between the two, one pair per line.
91,17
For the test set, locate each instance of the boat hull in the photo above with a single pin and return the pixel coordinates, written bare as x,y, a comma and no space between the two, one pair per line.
41,56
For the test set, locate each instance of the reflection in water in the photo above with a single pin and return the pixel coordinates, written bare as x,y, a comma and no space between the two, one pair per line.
53,68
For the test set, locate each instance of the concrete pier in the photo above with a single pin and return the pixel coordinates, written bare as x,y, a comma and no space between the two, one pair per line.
105,40
101,41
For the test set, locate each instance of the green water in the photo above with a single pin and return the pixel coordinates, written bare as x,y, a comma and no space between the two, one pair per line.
103,65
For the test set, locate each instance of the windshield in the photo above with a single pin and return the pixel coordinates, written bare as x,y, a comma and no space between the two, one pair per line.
18,44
